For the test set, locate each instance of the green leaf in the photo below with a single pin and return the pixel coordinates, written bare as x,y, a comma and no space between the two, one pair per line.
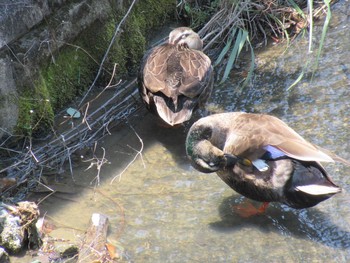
324,32
252,64
235,51
297,80
226,48
311,27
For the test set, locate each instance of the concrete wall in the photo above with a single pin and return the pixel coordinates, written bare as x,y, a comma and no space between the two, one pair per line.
31,31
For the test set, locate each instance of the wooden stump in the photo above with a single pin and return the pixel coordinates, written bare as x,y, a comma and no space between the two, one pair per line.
93,248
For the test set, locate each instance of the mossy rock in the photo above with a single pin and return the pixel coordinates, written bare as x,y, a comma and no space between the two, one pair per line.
72,70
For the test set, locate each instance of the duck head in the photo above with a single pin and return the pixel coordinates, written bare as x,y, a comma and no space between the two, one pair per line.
203,154
185,36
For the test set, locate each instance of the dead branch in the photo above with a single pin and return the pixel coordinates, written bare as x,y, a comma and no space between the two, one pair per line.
138,152
99,162
116,33
55,154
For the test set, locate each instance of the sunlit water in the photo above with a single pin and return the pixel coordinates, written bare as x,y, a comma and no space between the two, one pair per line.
162,210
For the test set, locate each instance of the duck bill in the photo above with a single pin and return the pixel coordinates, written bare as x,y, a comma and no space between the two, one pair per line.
231,159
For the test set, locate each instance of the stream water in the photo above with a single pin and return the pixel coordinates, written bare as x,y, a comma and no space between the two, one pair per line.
162,210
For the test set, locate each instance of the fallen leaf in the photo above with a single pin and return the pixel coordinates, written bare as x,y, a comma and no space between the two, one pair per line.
112,250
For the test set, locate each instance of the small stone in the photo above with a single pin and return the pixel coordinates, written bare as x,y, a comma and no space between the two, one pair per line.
66,250
4,257
11,236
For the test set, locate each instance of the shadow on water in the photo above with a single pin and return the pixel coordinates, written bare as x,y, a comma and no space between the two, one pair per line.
173,139
151,131
310,224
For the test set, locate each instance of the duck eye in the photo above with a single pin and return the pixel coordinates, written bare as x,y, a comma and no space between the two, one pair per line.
212,164
185,35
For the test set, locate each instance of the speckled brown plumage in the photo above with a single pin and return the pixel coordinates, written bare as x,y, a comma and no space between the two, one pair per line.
176,77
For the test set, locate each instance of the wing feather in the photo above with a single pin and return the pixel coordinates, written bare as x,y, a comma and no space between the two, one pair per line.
249,133
155,69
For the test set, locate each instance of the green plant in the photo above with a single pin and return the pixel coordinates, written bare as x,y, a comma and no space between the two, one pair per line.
238,23
235,47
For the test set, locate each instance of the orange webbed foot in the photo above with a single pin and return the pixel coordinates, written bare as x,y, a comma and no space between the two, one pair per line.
246,209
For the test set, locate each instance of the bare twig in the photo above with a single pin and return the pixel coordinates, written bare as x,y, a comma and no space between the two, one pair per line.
98,162
116,33
55,154
139,152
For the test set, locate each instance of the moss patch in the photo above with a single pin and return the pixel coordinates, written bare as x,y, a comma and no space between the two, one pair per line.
147,15
68,76
75,66
35,112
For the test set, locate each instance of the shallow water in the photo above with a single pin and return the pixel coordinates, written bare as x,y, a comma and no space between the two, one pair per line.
162,210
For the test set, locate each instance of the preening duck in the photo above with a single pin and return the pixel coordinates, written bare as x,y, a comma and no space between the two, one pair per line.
262,158
176,77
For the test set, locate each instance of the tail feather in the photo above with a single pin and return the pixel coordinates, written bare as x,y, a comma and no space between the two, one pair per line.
334,156
309,185
174,115
315,189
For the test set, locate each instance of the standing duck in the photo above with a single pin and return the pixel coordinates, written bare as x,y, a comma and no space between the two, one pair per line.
176,77
262,158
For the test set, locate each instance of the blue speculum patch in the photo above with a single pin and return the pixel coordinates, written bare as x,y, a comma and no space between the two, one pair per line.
272,153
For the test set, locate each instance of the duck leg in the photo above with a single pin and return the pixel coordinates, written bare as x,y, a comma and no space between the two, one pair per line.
247,209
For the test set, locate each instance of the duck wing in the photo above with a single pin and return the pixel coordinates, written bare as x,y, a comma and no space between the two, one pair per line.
250,133
293,145
176,70
303,151
154,68
197,72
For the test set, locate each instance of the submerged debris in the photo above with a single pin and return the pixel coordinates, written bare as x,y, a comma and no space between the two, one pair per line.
57,250
94,248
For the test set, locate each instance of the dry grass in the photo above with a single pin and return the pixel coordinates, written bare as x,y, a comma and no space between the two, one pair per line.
235,24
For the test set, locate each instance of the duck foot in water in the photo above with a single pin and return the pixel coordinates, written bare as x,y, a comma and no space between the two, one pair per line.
247,209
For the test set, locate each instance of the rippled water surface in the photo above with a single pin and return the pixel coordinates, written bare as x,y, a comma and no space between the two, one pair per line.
162,210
